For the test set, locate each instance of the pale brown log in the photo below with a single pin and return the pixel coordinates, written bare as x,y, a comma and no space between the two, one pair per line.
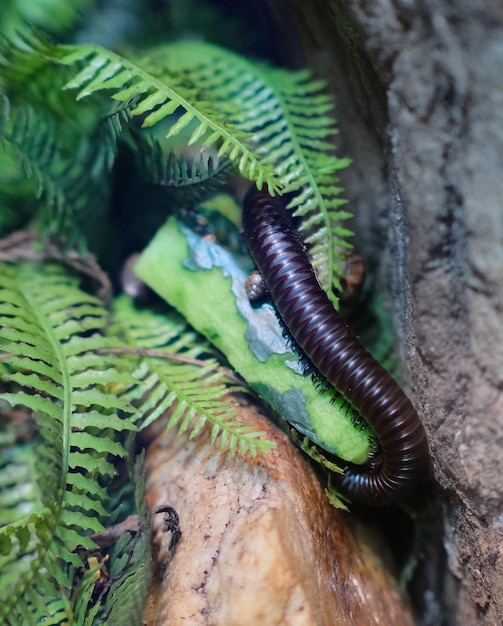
260,543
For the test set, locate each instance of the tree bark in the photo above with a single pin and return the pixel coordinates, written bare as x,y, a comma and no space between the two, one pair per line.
420,104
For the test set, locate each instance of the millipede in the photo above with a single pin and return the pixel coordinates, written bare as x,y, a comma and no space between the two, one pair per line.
320,332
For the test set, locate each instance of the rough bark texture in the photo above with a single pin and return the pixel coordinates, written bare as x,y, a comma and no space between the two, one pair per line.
260,543
420,103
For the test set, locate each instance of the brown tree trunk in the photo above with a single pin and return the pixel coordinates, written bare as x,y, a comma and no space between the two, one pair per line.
419,87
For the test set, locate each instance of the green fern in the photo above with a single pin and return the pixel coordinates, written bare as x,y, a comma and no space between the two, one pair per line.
48,334
17,492
85,610
185,181
156,99
289,118
56,362
194,391
68,170
66,150
34,144
129,575
52,15
122,597
225,99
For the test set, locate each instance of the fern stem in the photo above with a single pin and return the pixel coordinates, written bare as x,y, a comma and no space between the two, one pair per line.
160,354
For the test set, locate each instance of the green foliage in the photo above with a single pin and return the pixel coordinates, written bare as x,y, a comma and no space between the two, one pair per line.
53,16
288,116
184,182
130,559
69,149
273,125
194,387
49,333
129,575
67,155
59,185
155,99
182,119
53,337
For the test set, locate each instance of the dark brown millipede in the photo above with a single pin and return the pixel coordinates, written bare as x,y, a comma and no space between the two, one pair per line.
324,337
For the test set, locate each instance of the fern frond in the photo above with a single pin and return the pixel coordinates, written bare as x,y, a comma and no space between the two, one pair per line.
49,330
289,118
65,149
196,394
120,598
17,494
34,144
66,185
156,99
184,180
129,575
53,16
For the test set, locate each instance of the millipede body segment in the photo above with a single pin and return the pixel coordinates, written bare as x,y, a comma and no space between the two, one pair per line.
324,337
